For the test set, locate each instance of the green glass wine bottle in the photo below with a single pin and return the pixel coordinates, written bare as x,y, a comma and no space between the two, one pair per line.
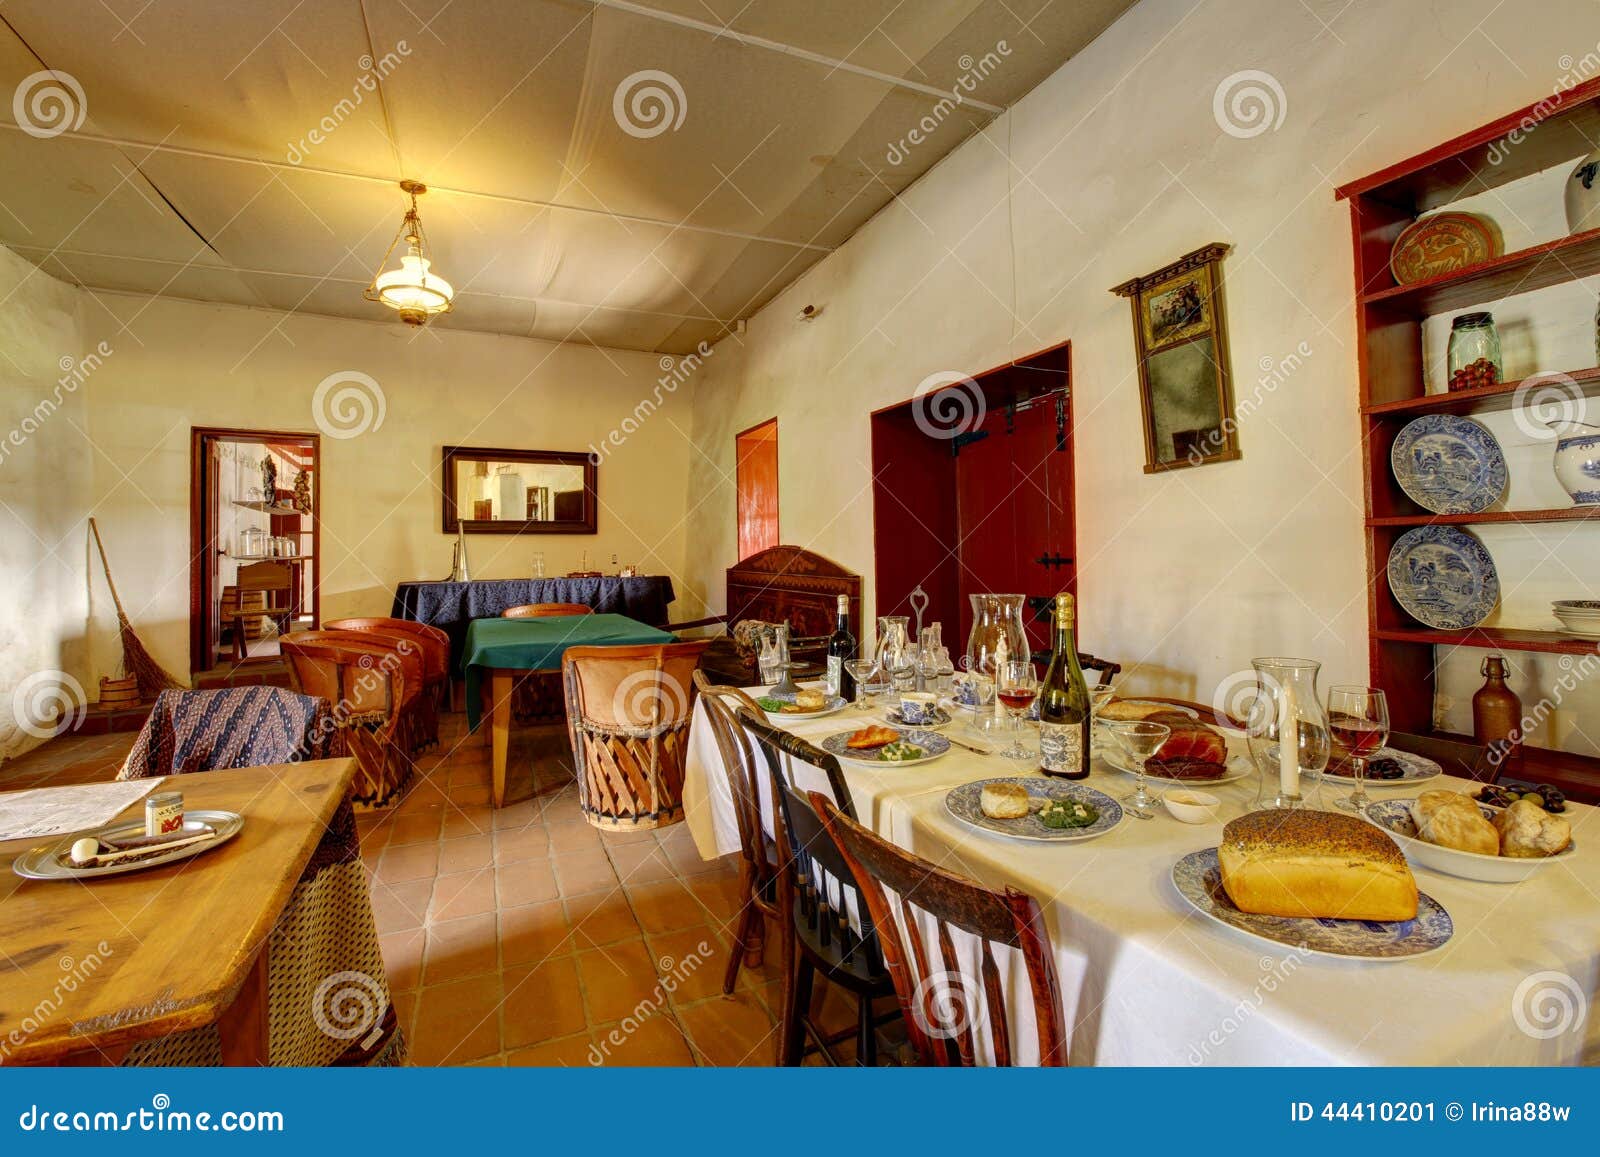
1064,714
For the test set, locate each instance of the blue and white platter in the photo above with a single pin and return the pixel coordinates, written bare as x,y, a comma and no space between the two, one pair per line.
932,743
1449,464
1443,577
963,803
1198,878
941,718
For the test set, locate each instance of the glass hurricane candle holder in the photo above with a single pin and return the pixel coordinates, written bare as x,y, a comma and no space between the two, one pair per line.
1286,704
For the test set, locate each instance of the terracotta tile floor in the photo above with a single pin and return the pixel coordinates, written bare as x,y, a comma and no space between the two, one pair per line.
522,935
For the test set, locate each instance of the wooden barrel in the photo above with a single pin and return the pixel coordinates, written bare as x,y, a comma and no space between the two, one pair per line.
115,693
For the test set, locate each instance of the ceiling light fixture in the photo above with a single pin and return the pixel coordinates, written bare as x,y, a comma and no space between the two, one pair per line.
410,289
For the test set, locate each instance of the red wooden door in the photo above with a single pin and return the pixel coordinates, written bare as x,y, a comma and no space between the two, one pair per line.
756,458
1015,509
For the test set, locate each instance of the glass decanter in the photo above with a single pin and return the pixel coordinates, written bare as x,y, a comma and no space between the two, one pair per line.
895,654
996,619
1286,703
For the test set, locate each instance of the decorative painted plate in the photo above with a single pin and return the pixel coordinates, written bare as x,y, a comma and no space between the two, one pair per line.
1414,769
53,861
941,718
1449,464
1443,577
1237,767
837,703
1443,243
1198,878
963,803
932,743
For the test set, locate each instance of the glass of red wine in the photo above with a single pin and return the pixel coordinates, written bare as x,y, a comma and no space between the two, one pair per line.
1358,721
1017,685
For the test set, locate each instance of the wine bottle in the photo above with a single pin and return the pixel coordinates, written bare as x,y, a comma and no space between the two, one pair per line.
841,649
1064,715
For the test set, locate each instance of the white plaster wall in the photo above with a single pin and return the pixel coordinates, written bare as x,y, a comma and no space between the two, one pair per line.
1110,168
44,495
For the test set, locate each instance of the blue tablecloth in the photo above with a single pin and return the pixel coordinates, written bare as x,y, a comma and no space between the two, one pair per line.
451,606
538,644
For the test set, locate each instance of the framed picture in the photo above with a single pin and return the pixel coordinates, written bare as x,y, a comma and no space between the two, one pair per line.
1180,335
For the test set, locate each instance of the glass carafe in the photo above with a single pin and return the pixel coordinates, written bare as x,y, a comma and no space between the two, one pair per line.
934,659
996,619
895,655
1286,703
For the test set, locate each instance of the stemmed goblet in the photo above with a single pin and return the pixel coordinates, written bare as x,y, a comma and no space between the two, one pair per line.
1358,719
1017,684
1141,739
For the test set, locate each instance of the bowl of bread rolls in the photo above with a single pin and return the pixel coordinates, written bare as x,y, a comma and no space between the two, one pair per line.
1451,832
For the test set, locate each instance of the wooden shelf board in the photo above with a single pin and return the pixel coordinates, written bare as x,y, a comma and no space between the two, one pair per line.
1487,517
1576,775
267,507
1491,639
1491,399
1537,267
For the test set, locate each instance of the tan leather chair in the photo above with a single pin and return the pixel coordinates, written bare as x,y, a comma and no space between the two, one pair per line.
628,712
545,610
435,648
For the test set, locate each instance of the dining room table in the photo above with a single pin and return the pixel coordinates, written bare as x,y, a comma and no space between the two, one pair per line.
91,968
497,651
1148,979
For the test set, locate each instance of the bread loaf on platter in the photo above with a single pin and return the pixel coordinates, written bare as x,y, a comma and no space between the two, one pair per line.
1318,864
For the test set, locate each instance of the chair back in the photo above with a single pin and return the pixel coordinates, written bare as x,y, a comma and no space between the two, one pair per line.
803,765
269,577
628,714
953,1017
369,688
746,775
1104,668
435,644
1469,760
545,610
190,731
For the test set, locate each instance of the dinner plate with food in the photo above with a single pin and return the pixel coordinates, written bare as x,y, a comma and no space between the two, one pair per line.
1314,881
879,745
803,704
124,846
1386,767
1451,832
1034,808
1194,752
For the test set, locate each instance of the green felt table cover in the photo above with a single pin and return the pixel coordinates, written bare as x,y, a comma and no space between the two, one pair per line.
538,644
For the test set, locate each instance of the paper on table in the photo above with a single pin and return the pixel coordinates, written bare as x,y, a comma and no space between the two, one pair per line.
53,811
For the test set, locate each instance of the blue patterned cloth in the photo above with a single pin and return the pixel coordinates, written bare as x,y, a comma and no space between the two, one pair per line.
236,727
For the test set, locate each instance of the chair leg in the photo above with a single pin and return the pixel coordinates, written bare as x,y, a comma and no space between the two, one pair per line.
866,1038
796,1005
736,953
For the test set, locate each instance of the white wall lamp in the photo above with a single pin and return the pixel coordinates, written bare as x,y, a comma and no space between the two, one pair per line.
411,289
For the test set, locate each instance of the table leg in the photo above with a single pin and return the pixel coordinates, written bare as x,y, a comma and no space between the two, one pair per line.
500,728
242,1029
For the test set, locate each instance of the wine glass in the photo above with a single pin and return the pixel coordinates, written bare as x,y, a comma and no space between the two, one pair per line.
1358,719
1017,684
1141,739
865,674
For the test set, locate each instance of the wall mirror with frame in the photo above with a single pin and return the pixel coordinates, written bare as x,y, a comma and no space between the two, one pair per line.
490,491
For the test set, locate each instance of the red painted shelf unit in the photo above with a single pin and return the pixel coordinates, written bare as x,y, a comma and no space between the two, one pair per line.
1390,363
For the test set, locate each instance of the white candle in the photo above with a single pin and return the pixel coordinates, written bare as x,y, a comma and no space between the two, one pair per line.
1288,745
999,669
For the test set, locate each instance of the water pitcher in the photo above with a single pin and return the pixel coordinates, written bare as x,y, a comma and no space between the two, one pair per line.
1286,703
896,657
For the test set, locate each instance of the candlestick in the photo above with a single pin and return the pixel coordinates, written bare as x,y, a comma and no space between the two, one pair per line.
1288,745
999,667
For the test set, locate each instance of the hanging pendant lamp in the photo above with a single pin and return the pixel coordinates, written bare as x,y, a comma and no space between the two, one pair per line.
410,289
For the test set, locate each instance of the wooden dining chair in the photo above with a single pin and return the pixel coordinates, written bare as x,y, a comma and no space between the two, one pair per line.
545,610
628,715
269,579
369,693
813,904
434,642
953,1016
758,852
537,696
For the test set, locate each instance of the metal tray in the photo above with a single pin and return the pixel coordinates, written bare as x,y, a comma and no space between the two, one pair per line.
50,861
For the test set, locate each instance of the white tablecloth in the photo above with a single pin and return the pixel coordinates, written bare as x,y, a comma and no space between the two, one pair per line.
1146,980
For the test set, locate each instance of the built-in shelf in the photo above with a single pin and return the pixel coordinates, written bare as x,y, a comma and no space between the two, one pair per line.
1486,517
1492,639
1542,765
1492,399
1537,267
267,507
269,557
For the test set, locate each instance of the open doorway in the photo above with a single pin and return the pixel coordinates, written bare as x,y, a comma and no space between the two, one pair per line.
973,492
254,505
756,454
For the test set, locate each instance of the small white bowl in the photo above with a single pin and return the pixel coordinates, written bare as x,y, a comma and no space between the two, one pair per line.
1191,807
1581,626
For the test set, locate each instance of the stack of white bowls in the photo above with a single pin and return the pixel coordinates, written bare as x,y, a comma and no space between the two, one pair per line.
1579,617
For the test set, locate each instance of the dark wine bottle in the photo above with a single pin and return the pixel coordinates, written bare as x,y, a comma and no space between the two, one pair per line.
841,649
1064,715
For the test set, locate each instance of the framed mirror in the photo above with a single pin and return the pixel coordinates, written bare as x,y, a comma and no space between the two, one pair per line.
518,491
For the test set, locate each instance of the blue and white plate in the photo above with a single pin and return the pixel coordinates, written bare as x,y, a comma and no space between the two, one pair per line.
1443,577
1198,878
836,703
1415,769
1449,464
941,718
963,803
932,743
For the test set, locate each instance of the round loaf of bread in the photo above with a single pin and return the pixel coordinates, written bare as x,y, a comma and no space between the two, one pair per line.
1004,801
1314,863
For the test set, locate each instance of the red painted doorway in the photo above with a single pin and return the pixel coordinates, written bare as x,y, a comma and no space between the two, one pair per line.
973,492
756,458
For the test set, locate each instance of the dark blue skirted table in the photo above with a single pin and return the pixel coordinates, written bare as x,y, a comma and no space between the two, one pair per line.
505,648
450,606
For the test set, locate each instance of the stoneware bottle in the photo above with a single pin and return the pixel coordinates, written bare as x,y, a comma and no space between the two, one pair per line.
1497,713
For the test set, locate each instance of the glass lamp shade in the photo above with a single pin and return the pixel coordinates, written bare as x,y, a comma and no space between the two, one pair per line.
412,290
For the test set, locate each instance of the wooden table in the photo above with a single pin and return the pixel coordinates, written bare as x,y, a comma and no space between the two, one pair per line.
168,949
